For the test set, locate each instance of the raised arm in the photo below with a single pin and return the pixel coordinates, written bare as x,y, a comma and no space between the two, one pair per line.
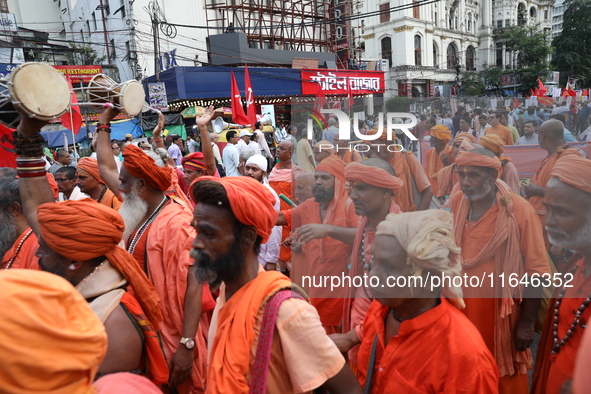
104,153
158,138
206,147
33,184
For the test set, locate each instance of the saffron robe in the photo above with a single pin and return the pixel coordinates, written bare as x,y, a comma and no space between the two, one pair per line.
434,165
502,132
25,259
408,168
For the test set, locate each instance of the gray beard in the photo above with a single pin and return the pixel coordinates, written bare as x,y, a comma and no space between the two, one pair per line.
478,194
133,211
8,233
577,240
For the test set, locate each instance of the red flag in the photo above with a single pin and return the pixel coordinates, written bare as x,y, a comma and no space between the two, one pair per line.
238,115
542,89
319,103
350,100
7,155
72,119
571,92
515,103
531,93
545,100
536,92
251,109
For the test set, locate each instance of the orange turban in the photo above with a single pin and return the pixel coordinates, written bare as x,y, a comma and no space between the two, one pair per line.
464,135
194,161
323,145
440,132
51,341
251,203
493,143
140,165
474,159
83,230
334,166
90,165
372,176
53,184
574,170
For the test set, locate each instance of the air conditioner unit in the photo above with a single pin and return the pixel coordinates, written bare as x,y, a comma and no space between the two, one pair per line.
385,65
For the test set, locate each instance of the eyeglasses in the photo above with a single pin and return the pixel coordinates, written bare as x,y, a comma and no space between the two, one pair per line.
59,180
116,148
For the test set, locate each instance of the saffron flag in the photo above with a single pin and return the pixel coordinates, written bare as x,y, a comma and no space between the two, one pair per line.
350,100
251,109
542,90
72,119
238,115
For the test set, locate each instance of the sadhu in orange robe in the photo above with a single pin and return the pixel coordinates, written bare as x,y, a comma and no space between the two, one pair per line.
22,253
439,351
408,168
434,165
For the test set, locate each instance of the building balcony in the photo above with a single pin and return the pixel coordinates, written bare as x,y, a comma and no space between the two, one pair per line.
435,69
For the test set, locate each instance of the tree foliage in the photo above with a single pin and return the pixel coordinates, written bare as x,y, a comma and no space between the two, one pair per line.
84,55
532,49
493,79
573,44
398,104
471,84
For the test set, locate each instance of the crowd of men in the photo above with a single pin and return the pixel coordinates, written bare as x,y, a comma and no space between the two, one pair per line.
207,272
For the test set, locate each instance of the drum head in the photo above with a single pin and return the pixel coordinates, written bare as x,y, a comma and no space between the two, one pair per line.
132,97
40,90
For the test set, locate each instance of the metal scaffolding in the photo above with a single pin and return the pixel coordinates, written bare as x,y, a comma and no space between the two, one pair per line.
297,25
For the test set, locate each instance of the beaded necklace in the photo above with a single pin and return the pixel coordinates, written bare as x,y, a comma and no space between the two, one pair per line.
558,344
102,194
365,264
18,249
85,280
145,225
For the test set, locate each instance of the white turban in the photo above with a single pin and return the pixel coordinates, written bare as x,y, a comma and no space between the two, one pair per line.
427,237
259,161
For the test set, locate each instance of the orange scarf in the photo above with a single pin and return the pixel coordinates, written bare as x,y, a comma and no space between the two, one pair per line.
404,198
504,248
229,359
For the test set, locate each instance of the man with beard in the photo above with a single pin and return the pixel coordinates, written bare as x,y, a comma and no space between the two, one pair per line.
65,178
256,167
416,193
551,139
158,235
319,228
440,156
78,240
567,199
285,351
18,242
499,235
508,171
423,342
447,177
90,182
373,186
282,179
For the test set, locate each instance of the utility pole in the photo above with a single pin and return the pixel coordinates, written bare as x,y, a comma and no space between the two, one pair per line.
102,8
156,52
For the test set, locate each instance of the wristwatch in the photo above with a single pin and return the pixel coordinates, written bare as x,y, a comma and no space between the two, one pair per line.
188,342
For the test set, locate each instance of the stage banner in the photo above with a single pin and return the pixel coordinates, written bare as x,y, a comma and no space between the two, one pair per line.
336,82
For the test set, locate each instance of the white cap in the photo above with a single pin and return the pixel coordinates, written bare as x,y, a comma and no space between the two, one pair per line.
259,161
244,133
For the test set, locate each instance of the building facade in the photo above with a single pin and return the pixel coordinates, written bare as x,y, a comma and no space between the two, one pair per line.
426,47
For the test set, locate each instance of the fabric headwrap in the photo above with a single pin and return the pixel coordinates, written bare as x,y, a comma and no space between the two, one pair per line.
140,165
194,161
465,136
372,176
428,239
474,159
51,341
324,146
493,143
90,165
83,230
252,203
259,161
334,166
574,170
53,184
440,132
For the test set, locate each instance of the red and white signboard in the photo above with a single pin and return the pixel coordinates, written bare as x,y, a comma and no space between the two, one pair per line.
80,73
335,82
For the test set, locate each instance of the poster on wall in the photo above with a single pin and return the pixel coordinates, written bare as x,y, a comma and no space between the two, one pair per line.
269,109
157,93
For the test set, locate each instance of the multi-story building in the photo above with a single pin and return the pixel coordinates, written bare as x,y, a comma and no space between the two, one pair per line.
557,16
425,47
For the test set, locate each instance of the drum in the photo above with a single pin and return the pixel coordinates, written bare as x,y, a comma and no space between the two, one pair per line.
38,90
127,97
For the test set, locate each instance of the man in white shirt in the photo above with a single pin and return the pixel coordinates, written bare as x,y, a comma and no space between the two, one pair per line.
175,149
65,178
215,138
328,134
256,167
230,154
244,140
192,145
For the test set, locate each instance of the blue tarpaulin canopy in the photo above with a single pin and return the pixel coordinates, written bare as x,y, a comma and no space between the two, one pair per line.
118,131
56,138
